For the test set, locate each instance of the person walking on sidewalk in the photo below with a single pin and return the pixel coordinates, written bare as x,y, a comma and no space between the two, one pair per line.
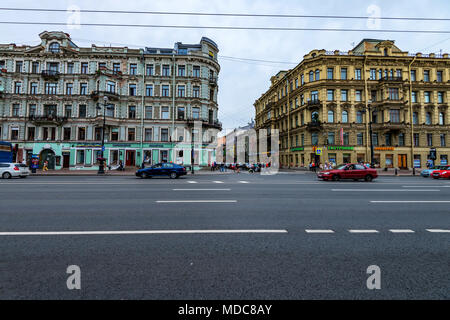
45,167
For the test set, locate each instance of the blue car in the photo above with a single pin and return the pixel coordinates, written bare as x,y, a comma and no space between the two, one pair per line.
162,169
428,172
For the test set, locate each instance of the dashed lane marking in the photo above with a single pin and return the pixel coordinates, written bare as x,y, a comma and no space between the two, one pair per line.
401,230
319,231
196,201
363,231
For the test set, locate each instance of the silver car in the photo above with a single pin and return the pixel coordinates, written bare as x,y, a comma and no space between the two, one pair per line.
9,170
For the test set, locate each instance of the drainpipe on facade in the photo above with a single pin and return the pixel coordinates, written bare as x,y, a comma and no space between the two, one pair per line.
173,105
411,116
367,110
289,124
142,107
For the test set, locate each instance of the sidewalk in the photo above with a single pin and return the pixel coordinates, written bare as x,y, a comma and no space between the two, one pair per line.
127,172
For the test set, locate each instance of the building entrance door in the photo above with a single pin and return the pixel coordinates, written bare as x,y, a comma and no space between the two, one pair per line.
49,156
402,164
66,160
130,158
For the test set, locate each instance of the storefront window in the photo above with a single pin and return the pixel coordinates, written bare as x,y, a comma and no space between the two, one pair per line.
80,156
389,161
114,157
346,158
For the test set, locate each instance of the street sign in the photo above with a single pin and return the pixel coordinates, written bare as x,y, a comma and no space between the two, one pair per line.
103,148
318,151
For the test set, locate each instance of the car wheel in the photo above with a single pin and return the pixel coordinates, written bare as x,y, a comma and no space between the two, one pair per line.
6,175
336,177
173,175
368,178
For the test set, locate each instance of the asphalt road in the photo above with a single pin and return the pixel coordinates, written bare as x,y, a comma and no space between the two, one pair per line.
286,236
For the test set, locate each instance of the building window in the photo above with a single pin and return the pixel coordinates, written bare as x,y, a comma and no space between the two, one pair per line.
344,96
330,116
359,116
131,134
358,95
428,118
80,156
426,75
439,76
19,66
331,138
165,113
133,69
166,70
114,134
393,94
429,139
82,133
314,139
66,133
148,112
82,111
343,73
181,71
443,144
413,75
15,110
165,91
110,111
388,139
54,47
83,88
195,113
68,111
148,134
416,139
395,115
196,92
360,139
116,68
401,140
440,97
69,89
415,117
149,90
314,96
84,67
17,87
131,112
35,67
149,69
164,135
414,96
132,89
111,87
346,138
32,110
50,88
344,116
330,95
181,91
196,72
441,118
373,74
317,75
330,73
33,87
70,67
375,139
180,113
427,96
357,74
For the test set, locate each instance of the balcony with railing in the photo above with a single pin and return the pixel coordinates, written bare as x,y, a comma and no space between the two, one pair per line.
113,96
50,74
213,80
391,79
314,103
47,119
314,125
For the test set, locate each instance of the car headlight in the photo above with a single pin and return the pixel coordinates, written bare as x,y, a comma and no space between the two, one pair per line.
326,173
443,172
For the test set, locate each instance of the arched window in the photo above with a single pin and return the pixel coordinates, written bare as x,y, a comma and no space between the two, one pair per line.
428,118
330,116
54,47
315,116
415,117
359,117
317,75
311,76
344,116
441,118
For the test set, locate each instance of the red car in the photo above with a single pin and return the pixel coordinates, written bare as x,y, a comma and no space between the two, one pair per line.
441,174
349,171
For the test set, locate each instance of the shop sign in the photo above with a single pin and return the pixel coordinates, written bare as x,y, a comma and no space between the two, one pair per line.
384,148
298,149
339,148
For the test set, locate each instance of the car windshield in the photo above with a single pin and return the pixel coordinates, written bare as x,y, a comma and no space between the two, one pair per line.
341,166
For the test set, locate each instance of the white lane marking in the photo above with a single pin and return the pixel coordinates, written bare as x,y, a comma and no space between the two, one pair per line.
201,189
425,186
438,230
385,190
196,201
401,230
125,232
319,231
410,201
218,181
191,181
243,181
362,231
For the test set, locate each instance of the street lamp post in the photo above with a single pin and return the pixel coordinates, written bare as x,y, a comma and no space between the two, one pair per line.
372,162
101,169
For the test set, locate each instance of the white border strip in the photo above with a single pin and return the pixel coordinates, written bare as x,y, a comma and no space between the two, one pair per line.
131,232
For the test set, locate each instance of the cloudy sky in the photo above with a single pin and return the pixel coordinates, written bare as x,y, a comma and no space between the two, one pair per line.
241,81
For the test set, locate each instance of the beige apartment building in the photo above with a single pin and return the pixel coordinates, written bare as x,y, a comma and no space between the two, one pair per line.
322,106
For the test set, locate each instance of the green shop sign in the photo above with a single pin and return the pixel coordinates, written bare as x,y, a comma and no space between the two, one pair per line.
340,148
297,149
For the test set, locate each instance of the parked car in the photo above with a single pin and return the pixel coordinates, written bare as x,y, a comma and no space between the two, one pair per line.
162,169
429,172
349,171
442,174
10,170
